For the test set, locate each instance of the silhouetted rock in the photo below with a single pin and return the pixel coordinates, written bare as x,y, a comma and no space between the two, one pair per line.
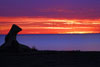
11,44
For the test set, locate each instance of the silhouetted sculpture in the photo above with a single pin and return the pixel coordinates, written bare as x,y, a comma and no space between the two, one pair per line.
11,44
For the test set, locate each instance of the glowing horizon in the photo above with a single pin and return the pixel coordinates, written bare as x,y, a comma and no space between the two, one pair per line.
44,25
50,16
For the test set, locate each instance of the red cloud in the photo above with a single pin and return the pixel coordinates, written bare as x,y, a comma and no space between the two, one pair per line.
50,25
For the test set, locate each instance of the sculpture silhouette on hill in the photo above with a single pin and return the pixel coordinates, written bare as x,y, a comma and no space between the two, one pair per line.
11,44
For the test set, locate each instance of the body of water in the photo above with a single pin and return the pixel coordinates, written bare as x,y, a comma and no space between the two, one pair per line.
83,42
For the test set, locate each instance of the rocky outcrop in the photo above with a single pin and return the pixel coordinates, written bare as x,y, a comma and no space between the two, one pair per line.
11,44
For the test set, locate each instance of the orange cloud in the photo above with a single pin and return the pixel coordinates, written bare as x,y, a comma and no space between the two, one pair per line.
32,25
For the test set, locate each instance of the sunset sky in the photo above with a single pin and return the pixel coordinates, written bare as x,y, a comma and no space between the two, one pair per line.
50,16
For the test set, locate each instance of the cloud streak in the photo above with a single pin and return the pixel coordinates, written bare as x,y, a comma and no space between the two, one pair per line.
54,25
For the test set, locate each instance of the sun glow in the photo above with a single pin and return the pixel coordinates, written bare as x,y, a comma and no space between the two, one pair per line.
50,25
78,32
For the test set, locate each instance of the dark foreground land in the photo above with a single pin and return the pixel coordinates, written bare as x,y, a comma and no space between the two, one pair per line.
50,59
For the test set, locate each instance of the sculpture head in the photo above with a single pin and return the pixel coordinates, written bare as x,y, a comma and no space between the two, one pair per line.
15,29
12,33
